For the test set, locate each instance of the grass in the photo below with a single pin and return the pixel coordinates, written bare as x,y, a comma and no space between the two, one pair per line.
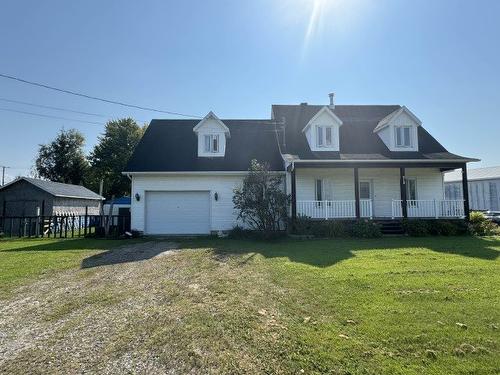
384,306
26,259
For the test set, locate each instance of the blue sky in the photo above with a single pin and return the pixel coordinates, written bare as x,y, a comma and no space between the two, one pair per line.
439,58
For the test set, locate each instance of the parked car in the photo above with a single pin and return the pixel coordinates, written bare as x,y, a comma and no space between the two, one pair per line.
493,216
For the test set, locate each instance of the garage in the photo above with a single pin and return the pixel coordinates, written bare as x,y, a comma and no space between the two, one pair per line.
177,212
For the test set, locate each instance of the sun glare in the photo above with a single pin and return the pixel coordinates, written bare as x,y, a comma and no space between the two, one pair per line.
323,19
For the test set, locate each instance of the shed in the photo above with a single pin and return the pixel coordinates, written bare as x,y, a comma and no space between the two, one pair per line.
33,197
121,206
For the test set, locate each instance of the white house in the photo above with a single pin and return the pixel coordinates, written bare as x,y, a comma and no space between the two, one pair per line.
339,161
484,188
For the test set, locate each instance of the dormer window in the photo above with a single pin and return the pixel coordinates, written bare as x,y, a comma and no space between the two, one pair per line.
403,136
212,143
212,136
324,136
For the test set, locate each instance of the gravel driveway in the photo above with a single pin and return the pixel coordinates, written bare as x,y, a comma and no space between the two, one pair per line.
70,321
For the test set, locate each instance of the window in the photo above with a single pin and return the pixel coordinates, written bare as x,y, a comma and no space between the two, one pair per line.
212,143
411,189
319,190
324,136
403,136
364,190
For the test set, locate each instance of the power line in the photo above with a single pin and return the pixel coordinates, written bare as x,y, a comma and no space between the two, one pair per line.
50,107
94,97
59,108
50,116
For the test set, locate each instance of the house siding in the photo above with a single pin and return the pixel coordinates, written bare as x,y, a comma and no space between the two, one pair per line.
222,213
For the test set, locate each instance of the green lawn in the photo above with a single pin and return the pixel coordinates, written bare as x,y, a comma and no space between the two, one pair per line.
22,259
385,306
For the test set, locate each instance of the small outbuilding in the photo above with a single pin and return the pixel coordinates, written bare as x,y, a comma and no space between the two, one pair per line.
121,206
34,197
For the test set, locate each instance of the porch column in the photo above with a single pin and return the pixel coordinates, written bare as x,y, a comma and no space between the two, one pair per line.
294,195
465,191
356,192
402,188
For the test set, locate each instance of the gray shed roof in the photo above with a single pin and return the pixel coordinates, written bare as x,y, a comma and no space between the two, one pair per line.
58,189
488,173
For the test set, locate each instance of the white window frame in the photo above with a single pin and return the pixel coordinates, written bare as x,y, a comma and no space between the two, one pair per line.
213,143
401,129
321,136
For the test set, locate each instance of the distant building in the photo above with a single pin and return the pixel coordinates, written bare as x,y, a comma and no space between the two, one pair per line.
34,197
484,187
121,206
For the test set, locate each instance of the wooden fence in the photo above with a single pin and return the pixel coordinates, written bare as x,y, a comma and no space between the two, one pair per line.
63,226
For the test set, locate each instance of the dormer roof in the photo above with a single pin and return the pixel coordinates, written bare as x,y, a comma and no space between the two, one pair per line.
212,116
387,120
323,110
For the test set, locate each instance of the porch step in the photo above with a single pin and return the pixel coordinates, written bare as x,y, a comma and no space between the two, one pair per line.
391,226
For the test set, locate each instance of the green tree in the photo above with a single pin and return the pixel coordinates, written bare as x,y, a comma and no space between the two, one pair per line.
63,159
261,200
109,157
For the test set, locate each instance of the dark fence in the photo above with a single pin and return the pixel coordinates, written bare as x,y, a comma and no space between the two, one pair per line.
67,226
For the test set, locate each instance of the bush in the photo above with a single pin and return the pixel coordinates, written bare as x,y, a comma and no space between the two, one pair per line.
365,229
420,228
336,228
479,225
238,232
416,228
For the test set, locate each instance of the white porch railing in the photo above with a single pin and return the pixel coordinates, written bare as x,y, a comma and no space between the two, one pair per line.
334,209
429,208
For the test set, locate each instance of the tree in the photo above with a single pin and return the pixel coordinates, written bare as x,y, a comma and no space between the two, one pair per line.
63,159
111,154
261,200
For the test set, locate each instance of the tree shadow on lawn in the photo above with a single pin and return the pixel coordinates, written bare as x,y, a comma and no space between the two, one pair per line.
324,253
64,244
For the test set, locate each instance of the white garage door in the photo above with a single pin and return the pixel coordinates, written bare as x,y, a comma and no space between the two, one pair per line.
177,212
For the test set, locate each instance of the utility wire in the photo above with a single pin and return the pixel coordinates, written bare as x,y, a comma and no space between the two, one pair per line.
60,109
94,97
50,107
50,116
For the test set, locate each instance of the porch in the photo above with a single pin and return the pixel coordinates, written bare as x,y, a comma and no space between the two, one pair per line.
438,209
374,191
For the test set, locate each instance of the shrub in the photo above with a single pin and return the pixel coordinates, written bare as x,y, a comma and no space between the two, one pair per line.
238,232
479,225
261,201
442,228
416,228
365,229
337,228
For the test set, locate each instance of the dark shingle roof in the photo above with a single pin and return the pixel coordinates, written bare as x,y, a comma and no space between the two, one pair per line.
357,139
172,146
58,189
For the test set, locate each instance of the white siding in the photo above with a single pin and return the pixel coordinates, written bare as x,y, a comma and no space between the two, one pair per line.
384,181
222,213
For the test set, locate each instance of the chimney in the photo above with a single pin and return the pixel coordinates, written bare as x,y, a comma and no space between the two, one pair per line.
332,100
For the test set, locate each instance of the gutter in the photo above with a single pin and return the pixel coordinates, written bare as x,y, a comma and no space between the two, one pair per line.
387,161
